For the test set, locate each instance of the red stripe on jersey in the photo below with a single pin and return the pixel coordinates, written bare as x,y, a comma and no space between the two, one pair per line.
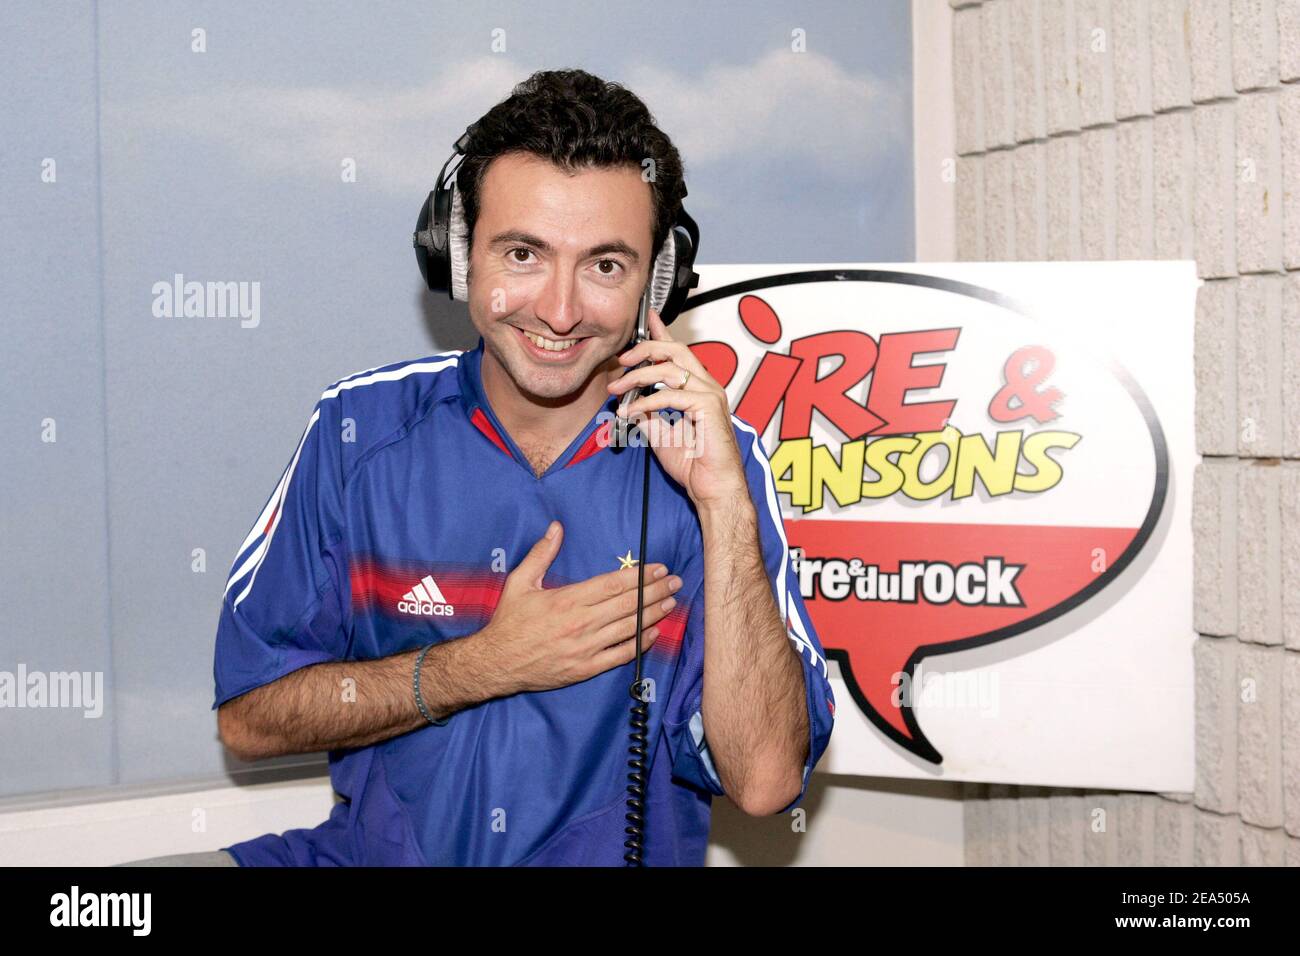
672,629
271,520
595,442
485,426
473,594
379,586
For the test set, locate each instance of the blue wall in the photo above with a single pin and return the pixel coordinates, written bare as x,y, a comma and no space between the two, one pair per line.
226,165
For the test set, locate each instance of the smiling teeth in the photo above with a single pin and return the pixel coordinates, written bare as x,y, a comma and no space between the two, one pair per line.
548,345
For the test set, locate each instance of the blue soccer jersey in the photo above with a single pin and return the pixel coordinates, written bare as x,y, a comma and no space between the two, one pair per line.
395,524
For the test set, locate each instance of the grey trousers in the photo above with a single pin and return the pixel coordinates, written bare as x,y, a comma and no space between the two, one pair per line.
209,858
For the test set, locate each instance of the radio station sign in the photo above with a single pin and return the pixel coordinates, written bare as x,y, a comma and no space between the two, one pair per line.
985,471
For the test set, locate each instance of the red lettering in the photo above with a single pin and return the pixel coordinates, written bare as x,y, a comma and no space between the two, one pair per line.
895,374
829,395
766,389
718,359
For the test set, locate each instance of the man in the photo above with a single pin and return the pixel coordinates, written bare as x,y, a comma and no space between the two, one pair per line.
468,504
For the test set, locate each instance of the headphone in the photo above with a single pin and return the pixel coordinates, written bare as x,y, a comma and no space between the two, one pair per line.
441,244
442,252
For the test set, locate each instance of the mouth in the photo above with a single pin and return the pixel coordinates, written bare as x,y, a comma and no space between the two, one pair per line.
551,350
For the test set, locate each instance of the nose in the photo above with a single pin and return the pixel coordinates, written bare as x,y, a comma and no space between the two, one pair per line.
557,304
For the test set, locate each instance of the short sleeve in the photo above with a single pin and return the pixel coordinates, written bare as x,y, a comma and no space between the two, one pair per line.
684,722
284,605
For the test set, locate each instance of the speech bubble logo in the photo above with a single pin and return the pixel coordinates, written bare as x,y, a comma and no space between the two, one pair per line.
1019,492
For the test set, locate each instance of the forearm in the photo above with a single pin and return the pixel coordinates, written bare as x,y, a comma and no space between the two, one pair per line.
755,714
343,704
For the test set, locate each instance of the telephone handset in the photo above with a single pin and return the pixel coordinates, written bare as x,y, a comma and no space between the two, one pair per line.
623,428
639,717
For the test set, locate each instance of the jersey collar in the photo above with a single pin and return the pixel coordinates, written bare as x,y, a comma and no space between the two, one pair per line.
591,440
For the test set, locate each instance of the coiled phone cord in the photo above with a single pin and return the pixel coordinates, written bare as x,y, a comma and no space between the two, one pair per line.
640,715
637,749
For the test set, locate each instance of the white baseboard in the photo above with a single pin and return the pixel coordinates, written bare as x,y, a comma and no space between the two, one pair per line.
855,822
108,831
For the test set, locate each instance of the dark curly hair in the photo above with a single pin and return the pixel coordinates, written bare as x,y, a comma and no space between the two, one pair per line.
575,120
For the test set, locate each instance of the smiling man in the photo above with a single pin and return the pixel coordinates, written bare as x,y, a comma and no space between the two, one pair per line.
441,590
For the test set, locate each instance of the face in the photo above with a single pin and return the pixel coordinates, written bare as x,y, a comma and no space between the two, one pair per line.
557,268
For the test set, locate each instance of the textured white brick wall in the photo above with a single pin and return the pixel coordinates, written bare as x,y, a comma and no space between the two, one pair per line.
1101,836
1137,829
1259,183
1215,201
1259,552
1288,28
995,68
1289,123
1092,30
1028,91
999,206
1063,237
1066,808
1173,160
1290,496
1167,129
1216,374
1211,49
1097,213
1214,549
1171,67
970,207
1060,65
968,81
1131,55
1029,185
1135,190
1259,366
1254,44
1033,826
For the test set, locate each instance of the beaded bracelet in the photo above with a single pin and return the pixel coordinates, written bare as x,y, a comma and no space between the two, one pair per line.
419,701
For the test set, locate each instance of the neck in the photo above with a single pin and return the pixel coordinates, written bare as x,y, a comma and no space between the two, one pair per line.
547,421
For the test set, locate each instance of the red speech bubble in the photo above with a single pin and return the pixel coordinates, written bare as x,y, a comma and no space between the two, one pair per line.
883,594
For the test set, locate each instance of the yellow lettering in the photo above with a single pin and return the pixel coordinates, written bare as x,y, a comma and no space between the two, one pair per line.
913,486
794,456
996,470
891,476
843,478
1035,452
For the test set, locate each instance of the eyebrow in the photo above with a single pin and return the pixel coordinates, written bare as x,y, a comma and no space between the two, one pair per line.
528,239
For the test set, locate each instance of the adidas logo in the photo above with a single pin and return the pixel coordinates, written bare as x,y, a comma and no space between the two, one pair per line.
426,600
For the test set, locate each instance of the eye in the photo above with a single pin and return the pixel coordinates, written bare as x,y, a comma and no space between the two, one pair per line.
517,249
618,267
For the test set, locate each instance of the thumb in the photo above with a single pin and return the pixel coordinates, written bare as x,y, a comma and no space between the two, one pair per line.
533,567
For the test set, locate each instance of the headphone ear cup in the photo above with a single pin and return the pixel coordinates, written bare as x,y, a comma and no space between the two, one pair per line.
457,248
431,241
423,256
661,278
675,274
